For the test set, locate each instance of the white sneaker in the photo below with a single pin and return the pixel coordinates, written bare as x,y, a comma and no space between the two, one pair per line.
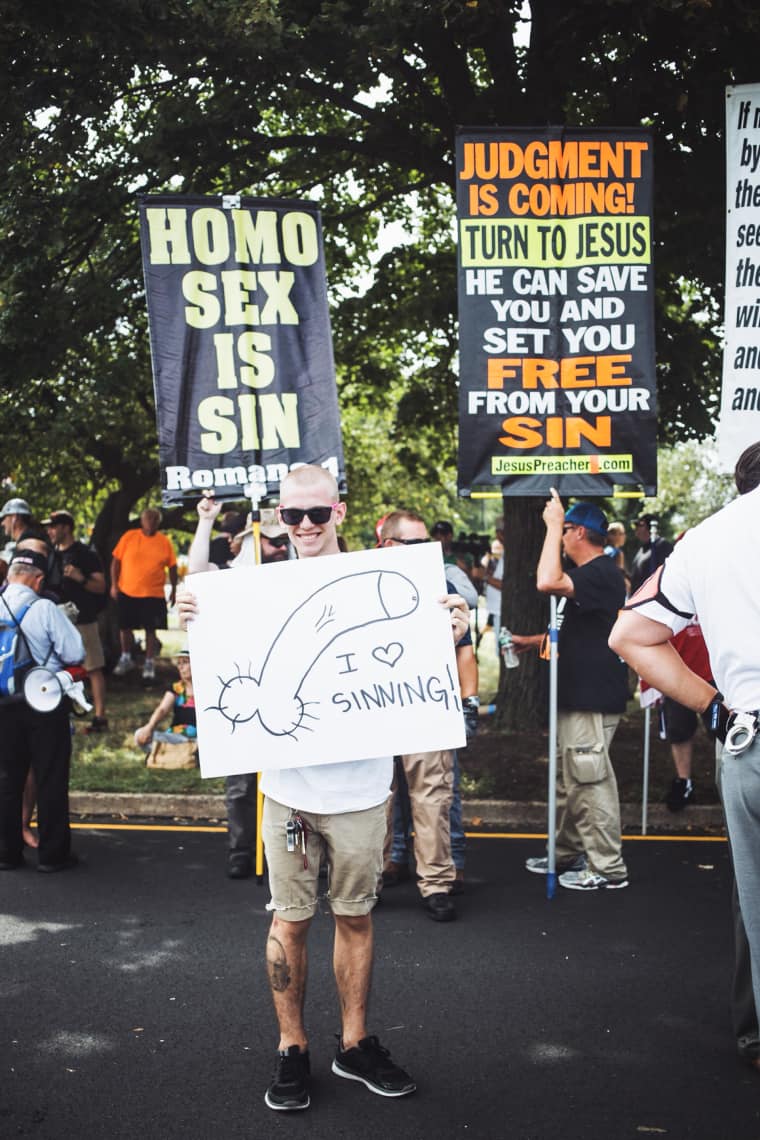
149,671
590,881
539,865
123,665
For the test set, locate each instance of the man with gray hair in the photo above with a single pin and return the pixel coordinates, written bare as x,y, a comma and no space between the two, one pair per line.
34,739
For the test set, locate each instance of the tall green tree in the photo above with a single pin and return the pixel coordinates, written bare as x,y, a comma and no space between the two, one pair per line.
353,103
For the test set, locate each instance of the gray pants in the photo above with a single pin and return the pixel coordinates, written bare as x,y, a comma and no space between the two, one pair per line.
740,780
240,802
743,1012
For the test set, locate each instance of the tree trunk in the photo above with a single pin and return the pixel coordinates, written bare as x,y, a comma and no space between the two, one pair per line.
522,702
109,526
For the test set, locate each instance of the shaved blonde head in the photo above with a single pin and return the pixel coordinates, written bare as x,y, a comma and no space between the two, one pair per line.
309,475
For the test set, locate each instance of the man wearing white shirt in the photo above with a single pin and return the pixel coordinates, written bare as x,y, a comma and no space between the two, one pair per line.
698,580
34,739
337,810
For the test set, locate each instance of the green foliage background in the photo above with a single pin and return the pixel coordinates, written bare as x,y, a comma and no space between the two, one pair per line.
353,104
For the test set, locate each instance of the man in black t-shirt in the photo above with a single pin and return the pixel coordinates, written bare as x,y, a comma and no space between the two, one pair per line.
592,685
83,583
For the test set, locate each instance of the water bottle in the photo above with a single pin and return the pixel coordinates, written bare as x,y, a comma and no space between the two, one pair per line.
508,651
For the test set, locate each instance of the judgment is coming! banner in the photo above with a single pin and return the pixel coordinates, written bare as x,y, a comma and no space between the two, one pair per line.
240,339
556,337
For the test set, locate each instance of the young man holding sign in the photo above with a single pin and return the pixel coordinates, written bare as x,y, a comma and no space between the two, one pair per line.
338,809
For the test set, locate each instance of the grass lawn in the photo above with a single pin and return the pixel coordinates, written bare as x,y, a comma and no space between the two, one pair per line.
111,761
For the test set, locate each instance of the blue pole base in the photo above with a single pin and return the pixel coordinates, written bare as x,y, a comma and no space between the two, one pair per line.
551,885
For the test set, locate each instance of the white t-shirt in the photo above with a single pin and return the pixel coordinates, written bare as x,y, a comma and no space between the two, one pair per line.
331,789
714,574
493,596
53,640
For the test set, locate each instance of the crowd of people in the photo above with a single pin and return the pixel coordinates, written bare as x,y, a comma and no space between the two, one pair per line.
665,616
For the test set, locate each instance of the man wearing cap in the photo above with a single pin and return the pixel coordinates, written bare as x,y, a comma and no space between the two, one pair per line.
18,524
240,789
83,582
16,516
592,695
652,552
40,740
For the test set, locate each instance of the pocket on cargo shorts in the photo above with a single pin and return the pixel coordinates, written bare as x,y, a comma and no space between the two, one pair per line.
586,763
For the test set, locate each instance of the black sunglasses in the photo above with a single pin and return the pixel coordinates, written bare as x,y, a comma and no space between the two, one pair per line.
410,541
292,516
280,540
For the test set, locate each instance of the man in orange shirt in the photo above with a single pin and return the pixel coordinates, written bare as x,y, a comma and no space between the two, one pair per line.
140,559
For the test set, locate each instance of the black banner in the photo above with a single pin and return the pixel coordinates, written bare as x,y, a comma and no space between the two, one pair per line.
556,328
241,345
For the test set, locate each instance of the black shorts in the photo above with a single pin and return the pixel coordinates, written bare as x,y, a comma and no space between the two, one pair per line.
141,613
678,724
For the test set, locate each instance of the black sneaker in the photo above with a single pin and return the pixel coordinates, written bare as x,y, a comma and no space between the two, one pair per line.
439,907
371,1064
681,793
239,865
71,860
289,1090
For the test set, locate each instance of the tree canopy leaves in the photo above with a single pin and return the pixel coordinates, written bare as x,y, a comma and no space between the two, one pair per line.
353,103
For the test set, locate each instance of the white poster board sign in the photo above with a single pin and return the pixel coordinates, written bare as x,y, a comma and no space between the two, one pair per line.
740,395
324,660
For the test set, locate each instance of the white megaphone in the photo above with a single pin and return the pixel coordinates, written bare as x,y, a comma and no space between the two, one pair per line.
44,690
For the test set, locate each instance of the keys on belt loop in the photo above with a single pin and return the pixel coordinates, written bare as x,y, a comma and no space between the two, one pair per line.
296,833
741,731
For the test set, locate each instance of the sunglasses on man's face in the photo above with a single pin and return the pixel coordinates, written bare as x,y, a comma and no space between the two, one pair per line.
410,541
293,516
280,540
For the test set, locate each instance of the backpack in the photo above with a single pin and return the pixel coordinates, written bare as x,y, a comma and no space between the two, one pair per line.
15,656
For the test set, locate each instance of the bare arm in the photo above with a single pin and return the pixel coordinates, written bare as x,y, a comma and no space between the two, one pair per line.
115,571
197,559
161,711
645,645
524,641
467,668
95,583
550,576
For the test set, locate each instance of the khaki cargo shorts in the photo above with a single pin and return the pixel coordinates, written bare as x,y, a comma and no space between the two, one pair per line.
352,846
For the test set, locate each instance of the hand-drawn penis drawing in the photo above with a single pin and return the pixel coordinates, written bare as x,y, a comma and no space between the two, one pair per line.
345,604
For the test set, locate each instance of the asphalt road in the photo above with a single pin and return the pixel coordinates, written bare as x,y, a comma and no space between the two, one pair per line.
134,1003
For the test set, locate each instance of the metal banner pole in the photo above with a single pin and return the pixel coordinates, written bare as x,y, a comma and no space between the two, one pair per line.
256,530
551,878
647,722
645,775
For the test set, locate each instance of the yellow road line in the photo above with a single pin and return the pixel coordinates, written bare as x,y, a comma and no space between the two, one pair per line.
626,838
221,830
147,827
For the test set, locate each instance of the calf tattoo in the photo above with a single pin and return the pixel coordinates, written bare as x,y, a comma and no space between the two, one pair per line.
277,965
